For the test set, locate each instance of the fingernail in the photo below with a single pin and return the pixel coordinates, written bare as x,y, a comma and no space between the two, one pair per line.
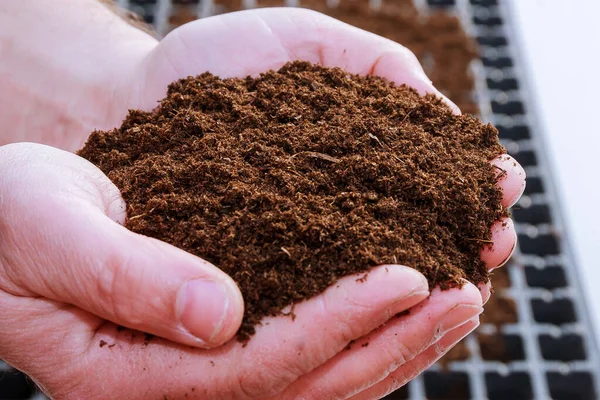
456,317
202,308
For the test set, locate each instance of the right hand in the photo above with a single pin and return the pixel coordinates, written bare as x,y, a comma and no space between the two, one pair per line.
70,275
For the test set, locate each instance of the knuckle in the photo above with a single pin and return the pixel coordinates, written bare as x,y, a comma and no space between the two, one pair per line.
114,286
397,354
346,330
441,349
114,205
347,321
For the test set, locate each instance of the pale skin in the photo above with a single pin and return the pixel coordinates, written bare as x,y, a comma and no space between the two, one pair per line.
70,273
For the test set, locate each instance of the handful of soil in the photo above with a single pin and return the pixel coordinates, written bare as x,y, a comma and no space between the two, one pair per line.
296,178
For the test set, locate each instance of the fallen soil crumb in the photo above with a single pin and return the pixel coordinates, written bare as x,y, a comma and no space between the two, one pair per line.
293,179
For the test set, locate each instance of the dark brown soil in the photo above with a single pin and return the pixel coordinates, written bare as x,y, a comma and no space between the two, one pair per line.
291,180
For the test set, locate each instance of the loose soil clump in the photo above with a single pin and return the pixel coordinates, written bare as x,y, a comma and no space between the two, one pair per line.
293,179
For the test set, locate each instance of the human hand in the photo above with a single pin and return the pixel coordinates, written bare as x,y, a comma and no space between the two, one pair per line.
70,275
251,42
397,350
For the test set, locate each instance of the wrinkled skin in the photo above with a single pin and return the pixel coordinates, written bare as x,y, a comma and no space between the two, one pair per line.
70,274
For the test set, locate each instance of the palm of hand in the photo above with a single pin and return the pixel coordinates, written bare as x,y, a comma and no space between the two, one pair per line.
286,359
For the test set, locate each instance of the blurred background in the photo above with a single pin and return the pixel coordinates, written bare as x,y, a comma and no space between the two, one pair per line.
530,68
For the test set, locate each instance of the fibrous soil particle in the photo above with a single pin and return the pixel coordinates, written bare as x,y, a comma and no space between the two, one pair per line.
293,179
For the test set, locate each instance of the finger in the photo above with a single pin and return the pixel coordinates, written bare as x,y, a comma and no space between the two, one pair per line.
283,349
486,291
502,246
407,372
371,358
324,326
60,241
511,179
252,42
504,237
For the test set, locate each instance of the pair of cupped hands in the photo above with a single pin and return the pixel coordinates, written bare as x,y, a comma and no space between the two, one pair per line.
76,287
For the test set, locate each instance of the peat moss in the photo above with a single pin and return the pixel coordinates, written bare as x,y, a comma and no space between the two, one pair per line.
293,179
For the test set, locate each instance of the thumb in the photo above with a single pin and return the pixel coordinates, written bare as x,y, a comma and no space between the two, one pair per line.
61,239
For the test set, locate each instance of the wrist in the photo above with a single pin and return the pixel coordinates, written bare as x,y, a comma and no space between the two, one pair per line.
64,69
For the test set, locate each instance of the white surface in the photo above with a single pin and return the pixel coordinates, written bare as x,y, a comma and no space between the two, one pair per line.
560,48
